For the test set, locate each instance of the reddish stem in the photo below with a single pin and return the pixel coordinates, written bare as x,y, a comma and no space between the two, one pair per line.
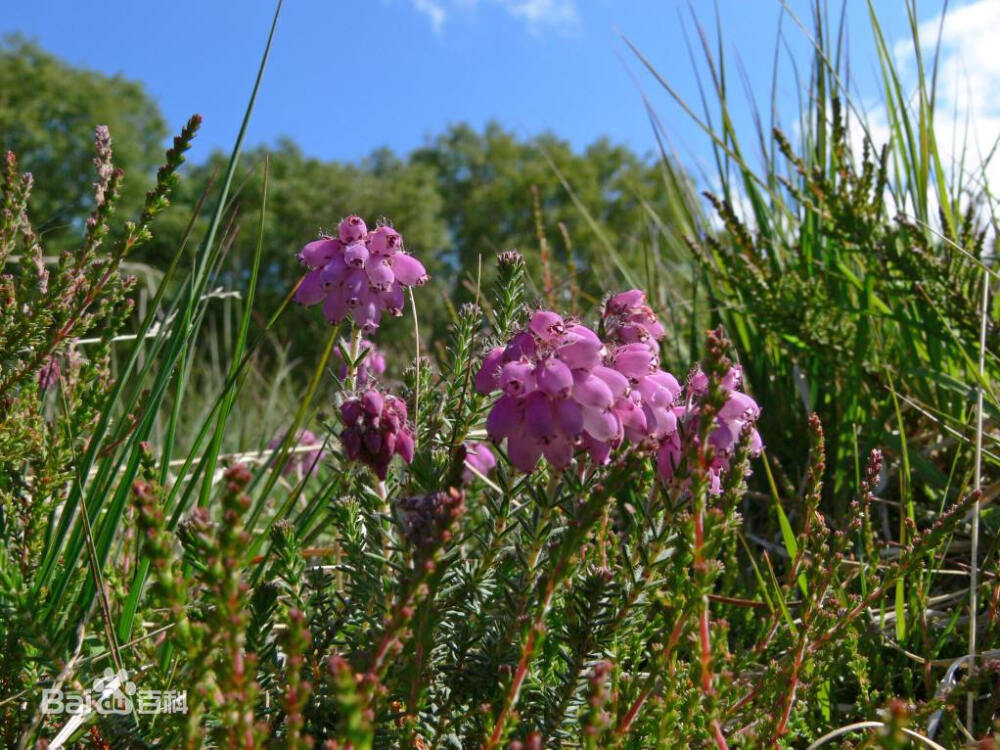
633,711
704,626
515,689
789,699
626,722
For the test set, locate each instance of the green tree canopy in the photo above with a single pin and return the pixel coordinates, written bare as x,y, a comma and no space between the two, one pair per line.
465,195
486,179
48,112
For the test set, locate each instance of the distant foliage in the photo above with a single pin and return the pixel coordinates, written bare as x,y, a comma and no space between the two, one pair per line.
47,107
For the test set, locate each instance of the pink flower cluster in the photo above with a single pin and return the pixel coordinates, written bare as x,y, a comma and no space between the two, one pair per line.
479,457
371,366
738,412
633,334
563,389
360,273
628,319
301,463
376,429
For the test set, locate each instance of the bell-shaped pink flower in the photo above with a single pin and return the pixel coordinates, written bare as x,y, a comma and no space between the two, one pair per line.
385,241
352,229
488,377
478,456
408,270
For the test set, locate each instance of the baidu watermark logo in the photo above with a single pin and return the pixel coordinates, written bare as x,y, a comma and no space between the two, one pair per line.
113,693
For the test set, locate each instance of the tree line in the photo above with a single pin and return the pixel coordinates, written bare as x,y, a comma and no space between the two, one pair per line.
465,194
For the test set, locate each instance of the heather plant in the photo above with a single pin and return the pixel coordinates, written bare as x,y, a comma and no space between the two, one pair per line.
576,547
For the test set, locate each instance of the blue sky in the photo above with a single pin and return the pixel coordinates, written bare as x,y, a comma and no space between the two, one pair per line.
348,76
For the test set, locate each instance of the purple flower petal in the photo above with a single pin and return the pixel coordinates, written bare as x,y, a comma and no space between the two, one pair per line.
621,303
554,377
617,382
632,360
379,274
404,445
732,379
601,424
599,450
632,417
569,417
576,332
517,378
334,271
408,270
559,452
368,314
351,411
335,307
488,377
660,421
356,255
396,405
355,287
504,418
311,291
538,416
590,390
350,438
478,456
385,241
580,354
739,406
373,441
392,300
319,253
521,346
547,325
371,402
524,452
352,229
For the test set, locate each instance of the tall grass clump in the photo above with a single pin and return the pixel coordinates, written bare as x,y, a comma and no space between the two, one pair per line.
728,510
854,276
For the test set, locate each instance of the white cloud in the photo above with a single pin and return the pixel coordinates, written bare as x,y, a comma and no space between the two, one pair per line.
967,115
434,11
558,14
537,15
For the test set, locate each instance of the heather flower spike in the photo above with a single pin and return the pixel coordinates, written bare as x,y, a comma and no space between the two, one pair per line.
375,430
628,319
557,394
427,519
736,413
360,273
